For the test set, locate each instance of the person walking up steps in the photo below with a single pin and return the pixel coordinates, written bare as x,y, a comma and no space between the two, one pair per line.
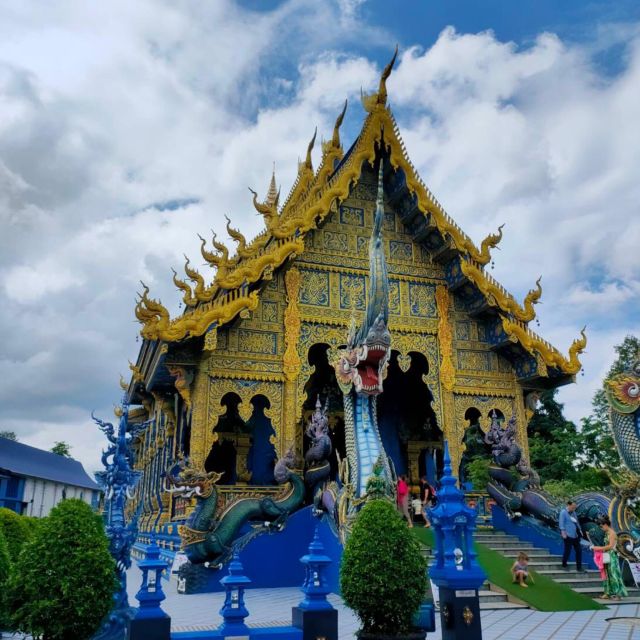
403,498
571,534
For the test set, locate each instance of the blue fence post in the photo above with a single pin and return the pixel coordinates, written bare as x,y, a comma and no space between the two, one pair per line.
315,615
150,621
234,610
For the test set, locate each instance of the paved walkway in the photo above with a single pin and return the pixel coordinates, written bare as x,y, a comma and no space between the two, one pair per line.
273,606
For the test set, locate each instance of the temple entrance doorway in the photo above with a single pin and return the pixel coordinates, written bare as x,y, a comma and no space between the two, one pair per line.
243,451
322,383
408,426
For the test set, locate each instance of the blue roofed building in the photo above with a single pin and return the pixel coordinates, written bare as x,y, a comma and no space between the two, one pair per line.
33,481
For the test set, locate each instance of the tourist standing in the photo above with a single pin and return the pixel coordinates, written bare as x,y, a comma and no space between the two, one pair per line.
613,586
571,534
403,498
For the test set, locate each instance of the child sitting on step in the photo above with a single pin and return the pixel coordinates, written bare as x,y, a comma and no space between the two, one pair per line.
520,570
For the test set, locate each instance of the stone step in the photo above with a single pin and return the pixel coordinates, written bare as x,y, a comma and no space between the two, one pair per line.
554,574
580,583
487,606
485,595
635,592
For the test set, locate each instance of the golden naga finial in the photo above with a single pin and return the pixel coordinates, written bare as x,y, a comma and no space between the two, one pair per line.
124,385
150,313
335,140
533,297
219,260
332,149
308,164
374,100
188,298
268,211
237,236
137,372
490,242
202,293
577,347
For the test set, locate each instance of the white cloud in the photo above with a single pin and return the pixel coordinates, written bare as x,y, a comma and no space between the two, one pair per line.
158,102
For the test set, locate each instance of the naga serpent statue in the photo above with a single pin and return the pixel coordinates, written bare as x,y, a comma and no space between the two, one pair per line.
516,487
623,395
212,529
360,371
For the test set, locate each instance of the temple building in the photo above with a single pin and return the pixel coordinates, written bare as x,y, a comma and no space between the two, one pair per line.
231,382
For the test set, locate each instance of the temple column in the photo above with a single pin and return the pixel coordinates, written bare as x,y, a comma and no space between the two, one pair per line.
291,365
199,411
448,376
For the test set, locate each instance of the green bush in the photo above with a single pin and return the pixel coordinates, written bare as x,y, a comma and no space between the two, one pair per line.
63,583
383,576
16,531
5,566
478,473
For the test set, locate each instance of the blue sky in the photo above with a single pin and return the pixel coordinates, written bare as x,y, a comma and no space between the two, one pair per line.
126,129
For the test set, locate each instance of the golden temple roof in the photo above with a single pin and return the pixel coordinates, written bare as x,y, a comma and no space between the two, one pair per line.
309,202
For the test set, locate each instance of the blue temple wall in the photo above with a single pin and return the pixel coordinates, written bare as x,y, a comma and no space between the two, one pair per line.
273,560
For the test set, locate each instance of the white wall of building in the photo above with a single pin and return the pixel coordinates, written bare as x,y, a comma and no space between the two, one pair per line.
42,495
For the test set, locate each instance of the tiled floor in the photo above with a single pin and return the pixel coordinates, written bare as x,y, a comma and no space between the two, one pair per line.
274,606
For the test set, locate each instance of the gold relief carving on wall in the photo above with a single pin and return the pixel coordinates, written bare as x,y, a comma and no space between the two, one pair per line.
291,360
422,301
315,288
445,336
470,360
394,297
335,241
259,342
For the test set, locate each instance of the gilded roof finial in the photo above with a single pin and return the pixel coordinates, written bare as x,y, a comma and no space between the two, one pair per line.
335,140
237,236
533,297
273,195
490,242
188,297
268,212
308,164
379,99
124,385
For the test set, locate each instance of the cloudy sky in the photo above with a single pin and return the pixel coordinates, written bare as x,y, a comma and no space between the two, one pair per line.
128,127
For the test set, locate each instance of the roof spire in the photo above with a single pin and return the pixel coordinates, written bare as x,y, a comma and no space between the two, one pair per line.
272,194
371,101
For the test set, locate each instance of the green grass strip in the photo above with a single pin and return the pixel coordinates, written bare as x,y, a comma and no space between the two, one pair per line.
544,595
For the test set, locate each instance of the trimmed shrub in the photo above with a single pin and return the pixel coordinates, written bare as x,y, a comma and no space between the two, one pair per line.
383,576
16,531
5,566
63,583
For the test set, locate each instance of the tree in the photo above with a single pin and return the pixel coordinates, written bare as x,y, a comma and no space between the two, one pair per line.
16,531
5,567
62,449
9,435
554,441
599,448
383,573
63,583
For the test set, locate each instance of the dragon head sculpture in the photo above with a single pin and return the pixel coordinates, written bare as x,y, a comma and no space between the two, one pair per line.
364,365
623,390
185,480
